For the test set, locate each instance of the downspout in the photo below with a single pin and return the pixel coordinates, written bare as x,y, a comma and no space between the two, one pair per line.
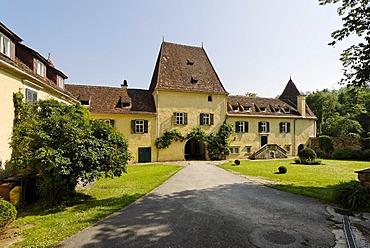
293,145
157,118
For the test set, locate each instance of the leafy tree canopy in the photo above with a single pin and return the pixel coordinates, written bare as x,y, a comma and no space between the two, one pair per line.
356,22
63,146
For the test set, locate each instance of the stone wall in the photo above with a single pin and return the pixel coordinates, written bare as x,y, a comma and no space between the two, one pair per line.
338,143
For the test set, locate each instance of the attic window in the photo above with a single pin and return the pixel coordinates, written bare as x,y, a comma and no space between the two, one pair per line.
5,45
193,81
235,109
189,62
122,104
277,110
263,109
84,102
247,109
287,110
40,68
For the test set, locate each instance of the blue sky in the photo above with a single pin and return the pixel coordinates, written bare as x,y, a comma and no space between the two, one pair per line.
254,45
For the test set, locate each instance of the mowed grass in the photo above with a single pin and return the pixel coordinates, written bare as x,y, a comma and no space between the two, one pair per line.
47,228
310,180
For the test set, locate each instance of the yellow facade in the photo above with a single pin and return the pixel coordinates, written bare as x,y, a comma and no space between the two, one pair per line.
170,102
13,80
249,142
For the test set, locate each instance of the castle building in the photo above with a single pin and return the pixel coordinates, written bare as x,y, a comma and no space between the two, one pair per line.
185,92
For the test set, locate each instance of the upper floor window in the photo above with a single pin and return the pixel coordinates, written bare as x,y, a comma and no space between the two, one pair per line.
180,118
263,127
247,109
5,45
210,98
206,119
109,121
40,68
31,96
284,127
139,126
60,82
241,126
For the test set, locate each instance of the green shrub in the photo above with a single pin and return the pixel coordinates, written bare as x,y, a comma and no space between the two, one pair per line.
365,155
237,162
307,156
351,195
8,213
282,169
365,143
346,154
325,143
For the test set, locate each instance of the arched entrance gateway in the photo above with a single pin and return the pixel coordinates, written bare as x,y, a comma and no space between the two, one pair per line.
195,150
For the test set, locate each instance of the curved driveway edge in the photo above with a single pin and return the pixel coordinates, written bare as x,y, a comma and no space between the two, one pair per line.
205,206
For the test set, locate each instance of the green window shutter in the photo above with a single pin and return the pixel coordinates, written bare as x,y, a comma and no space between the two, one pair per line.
268,126
259,126
246,127
237,127
185,118
174,118
133,126
288,128
281,127
145,126
212,119
201,119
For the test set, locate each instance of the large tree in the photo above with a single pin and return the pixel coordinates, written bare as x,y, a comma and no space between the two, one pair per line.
62,146
356,22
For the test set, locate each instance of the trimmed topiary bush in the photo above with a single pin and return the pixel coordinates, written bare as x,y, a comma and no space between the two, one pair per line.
352,195
237,162
282,170
307,156
8,213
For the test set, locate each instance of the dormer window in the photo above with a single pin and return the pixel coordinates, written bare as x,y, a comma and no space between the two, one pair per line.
60,81
5,45
247,109
193,80
286,110
263,109
277,110
189,62
235,109
40,68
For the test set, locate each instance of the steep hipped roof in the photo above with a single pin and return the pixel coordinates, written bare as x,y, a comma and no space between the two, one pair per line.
259,106
103,99
290,93
185,68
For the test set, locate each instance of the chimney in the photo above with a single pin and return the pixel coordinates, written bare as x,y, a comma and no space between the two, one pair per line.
301,104
124,85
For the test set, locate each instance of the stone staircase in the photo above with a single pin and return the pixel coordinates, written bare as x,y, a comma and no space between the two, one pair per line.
269,151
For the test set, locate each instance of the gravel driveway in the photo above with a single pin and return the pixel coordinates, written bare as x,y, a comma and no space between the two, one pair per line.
205,206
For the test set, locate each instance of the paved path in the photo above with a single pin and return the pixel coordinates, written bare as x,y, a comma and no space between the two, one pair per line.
205,206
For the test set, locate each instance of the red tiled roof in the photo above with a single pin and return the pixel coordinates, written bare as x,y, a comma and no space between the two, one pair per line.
185,68
262,107
103,99
290,93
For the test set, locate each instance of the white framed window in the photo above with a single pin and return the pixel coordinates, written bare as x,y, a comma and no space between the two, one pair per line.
139,126
234,150
263,109
109,121
31,96
286,110
5,45
180,118
263,127
248,149
284,127
241,126
247,109
235,109
60,81
206,119
40,68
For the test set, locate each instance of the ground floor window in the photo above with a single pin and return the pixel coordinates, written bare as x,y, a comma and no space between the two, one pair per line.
234,150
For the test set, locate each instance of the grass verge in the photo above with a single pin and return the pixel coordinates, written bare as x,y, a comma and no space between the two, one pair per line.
41,227
309,180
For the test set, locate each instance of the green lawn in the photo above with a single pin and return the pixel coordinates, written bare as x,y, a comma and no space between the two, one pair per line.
310,180
47,228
